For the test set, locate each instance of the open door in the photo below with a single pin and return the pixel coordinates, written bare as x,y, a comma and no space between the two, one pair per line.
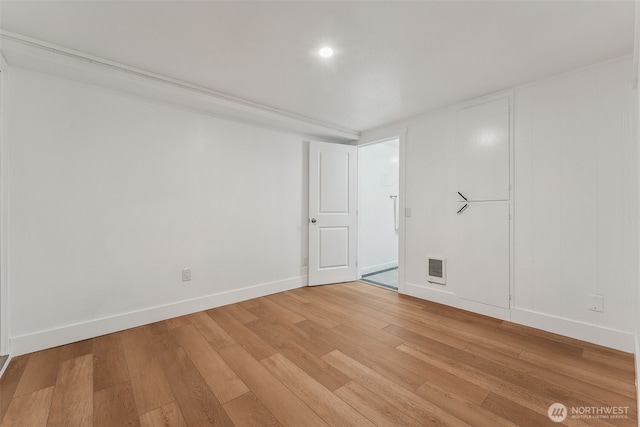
333,221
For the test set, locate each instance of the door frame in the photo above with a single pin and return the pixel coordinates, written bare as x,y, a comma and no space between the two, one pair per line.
382,136
4,294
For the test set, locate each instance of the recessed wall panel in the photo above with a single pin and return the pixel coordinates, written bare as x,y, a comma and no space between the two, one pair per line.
483,151
483,253
334,247
334,180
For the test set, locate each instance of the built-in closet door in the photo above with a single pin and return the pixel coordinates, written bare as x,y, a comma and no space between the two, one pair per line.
483,253
483,151
484,194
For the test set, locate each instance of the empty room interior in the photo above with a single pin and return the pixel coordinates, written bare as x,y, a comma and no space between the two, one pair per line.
319,213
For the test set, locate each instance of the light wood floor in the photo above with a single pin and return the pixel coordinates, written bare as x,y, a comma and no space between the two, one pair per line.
348,354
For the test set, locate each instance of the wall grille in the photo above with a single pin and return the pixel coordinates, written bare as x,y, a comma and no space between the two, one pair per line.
437,270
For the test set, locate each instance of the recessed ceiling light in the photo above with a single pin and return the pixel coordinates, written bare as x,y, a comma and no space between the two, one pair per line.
326,52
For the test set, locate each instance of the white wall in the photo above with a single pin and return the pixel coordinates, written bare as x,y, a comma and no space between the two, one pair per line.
575,191
110,196
575,205
378,178
430,194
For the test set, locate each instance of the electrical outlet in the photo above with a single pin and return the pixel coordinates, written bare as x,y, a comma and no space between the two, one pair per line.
596,302
186,274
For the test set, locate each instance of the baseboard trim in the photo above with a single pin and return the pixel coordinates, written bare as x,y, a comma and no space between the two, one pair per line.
94,328
607,337
379,267
445,297
3,368
637,360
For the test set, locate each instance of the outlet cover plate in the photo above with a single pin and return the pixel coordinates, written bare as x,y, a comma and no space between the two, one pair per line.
596,302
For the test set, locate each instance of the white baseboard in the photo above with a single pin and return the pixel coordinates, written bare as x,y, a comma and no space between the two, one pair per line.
607,337
94,328
445,297
612,338
379,267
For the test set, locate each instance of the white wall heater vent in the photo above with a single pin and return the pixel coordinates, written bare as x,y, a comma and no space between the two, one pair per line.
437,270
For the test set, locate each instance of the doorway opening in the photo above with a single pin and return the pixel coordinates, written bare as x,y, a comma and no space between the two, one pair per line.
379,212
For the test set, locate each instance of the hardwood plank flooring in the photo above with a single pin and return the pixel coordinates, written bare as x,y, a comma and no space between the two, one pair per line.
115,406
9,382
72,402
248,410
148,380
326,404
31,409
222,380
339,355
41,371
109,364
168,415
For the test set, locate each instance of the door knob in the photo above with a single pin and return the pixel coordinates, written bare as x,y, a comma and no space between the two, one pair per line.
313,221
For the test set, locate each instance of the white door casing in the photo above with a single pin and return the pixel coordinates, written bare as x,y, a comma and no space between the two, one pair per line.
332,213
4,329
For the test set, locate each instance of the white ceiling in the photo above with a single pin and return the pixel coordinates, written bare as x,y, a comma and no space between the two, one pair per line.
393,59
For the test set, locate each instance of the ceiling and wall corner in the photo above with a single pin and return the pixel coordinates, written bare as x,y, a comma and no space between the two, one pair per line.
55,60
392,59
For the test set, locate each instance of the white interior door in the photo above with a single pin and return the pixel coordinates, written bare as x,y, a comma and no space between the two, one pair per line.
483,253
332,213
